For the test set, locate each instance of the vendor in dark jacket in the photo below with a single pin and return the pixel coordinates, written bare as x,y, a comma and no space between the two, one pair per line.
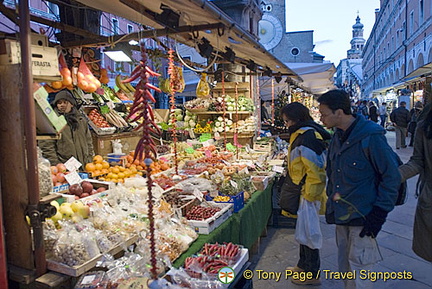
76,140
361,188
400,118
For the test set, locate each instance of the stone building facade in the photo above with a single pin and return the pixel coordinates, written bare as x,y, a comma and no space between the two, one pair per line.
399,45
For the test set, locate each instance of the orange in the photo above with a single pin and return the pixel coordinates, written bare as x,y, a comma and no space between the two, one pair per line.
127,173
80,76
96,173
104,171
140,168
109,176
122,169
140,173
83,85
90,167
65,72
99,166
115,170
105,165
98,159
56,84
67,80
114,176
133,170
91,87
121,175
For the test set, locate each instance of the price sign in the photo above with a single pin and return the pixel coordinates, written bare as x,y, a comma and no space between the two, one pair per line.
268,134
72,164
205,137
73,178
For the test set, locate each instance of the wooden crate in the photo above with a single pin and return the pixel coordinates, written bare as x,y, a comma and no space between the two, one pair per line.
102,143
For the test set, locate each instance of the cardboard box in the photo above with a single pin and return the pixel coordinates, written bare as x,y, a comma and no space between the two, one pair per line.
44,59
208,225
47,120
161,115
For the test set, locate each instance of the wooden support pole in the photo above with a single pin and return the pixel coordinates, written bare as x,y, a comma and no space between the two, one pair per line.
13,170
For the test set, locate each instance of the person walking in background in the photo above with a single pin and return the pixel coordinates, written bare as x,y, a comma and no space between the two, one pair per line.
373,112
383,114
400,119
414,114
363,109
76,139
421,163
362,189
305,175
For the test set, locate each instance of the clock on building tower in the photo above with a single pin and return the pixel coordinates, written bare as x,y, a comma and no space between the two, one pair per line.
270,31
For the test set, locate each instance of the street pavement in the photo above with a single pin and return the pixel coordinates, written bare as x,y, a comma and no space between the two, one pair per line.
279,249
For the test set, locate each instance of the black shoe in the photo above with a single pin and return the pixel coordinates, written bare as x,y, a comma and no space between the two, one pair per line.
410,145
397,148
403,147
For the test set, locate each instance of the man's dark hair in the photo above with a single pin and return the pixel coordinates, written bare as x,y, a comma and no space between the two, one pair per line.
296,112
403,103
336,99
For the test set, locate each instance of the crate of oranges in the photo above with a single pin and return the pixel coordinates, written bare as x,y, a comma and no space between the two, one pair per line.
98,167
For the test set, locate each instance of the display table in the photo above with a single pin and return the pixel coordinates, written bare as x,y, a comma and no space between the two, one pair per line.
244,227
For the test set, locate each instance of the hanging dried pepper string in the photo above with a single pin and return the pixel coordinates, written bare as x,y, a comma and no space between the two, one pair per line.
273,100
172,73
258,101
224,110
146,148
236,122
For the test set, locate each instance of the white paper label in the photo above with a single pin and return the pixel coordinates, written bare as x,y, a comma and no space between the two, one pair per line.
268,134
217,135
88,279
88,96
227,163
72,164
278,169
73,178
234,184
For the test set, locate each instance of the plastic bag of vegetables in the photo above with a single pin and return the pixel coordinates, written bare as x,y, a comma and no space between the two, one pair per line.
203,88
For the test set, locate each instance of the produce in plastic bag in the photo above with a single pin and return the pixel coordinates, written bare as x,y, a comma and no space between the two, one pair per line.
70,249
44,169
203,88
86,80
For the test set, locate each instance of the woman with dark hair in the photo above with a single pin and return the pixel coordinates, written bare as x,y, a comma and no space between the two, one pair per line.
421,163
305,176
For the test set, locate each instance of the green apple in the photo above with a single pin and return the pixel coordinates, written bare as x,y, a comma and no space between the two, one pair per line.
76,218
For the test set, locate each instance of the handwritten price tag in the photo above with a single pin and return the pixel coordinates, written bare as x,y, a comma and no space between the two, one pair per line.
72,164
73,178
278,169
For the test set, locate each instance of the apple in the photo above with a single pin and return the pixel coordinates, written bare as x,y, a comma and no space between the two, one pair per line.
76,205
76,190
66,212
57,217
84,212
87,187
83,195
101,189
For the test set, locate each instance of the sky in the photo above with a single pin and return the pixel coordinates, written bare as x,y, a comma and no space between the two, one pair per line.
331,21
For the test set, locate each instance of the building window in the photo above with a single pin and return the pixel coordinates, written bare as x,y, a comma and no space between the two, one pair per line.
421,12
295,51
411,19
130,29
115,26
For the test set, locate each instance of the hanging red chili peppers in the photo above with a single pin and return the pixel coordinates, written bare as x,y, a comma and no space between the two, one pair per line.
224,110
236,120
273,101
174,86
146,148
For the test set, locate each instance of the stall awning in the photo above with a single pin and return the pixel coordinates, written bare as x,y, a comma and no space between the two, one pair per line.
193,13
317,79
424,70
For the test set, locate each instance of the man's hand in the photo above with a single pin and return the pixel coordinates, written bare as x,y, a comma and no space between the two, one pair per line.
373,222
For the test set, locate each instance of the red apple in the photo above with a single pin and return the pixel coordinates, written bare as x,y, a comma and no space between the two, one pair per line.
87,187
76,190
100,189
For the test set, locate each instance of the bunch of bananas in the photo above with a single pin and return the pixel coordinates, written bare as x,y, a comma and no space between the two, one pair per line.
125,87
199,129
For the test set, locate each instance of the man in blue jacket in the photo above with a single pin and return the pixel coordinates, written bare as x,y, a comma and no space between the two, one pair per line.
362,185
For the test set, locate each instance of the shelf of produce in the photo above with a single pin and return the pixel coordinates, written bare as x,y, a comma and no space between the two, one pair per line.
221,112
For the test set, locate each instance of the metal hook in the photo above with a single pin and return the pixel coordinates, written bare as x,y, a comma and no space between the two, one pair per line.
197,34
220,33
